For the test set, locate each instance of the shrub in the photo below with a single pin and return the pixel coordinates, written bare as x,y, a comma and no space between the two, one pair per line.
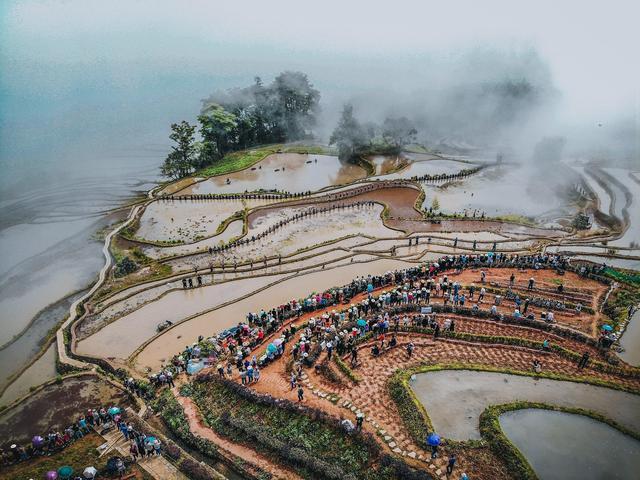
195,470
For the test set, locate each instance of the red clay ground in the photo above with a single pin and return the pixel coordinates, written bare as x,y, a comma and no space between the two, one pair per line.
370,395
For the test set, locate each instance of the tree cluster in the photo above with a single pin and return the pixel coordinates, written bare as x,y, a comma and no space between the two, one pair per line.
282,111
355,139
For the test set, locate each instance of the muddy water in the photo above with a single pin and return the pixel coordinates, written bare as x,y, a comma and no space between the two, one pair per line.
604,197
455,399
632,234
188,220
630,341
385,164
428,167
304,233
42,370
17,354
298,175
233,230
122,337
58,405
503,190
571,447
171,342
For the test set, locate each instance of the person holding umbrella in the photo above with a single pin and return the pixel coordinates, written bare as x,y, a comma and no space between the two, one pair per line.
433,440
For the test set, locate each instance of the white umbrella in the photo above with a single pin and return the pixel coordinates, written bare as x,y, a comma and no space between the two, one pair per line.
89,472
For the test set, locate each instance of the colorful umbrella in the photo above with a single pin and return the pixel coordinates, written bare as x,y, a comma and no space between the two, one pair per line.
65,472
607,328
51,475
271,348
37,441
150,439
433,440
277,342
361,322
113,411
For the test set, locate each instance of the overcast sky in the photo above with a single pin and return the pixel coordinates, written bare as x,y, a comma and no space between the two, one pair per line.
186,49
591,46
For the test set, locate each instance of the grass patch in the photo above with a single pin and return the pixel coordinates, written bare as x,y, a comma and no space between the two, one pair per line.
236,161
307,439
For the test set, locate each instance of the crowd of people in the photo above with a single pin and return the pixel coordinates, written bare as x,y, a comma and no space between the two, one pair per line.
56,440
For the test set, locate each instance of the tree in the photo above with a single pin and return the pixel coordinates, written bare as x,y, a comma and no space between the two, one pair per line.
180,161
125,266
218,128
435,204
296,103
398,132
349,136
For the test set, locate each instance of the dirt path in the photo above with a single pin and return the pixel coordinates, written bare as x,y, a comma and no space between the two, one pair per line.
198,427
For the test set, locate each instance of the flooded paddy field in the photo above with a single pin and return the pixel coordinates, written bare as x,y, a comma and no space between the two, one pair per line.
291,172
58,405
435,166
189,220
455,399
630,341
233,230
169,343
570,446
39,372
503,190
121,337
631,235
294,236
17,354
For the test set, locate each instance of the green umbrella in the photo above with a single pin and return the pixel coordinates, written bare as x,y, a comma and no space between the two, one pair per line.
65,472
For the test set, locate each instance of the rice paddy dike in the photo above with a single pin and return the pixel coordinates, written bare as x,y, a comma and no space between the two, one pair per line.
206,250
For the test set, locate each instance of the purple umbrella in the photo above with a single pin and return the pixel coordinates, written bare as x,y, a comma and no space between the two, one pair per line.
51,475
37,441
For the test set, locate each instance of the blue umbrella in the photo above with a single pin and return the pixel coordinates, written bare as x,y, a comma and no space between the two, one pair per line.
150,439
65,472
113,411
361,322
271,348
607,328
433,440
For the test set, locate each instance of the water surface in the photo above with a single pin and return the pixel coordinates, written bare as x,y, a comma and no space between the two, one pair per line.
571,447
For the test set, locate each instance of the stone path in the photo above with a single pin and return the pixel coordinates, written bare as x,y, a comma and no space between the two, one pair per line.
156,466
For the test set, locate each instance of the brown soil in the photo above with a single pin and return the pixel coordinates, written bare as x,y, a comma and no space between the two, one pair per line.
58,405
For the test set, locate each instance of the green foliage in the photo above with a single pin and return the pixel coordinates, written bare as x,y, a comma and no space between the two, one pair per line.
125,266
413,414
628,276
305,438
181,160
349,136
346,370
435,204
499,443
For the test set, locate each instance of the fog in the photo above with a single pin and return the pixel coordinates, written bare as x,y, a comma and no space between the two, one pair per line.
116,73
89,88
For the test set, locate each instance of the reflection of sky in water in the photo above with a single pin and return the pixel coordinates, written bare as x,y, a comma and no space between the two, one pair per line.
516,189
298,175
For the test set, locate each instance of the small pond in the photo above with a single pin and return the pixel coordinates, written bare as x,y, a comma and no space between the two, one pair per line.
568,446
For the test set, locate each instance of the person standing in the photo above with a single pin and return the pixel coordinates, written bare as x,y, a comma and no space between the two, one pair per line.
584,360
133,450
451,464
300,393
